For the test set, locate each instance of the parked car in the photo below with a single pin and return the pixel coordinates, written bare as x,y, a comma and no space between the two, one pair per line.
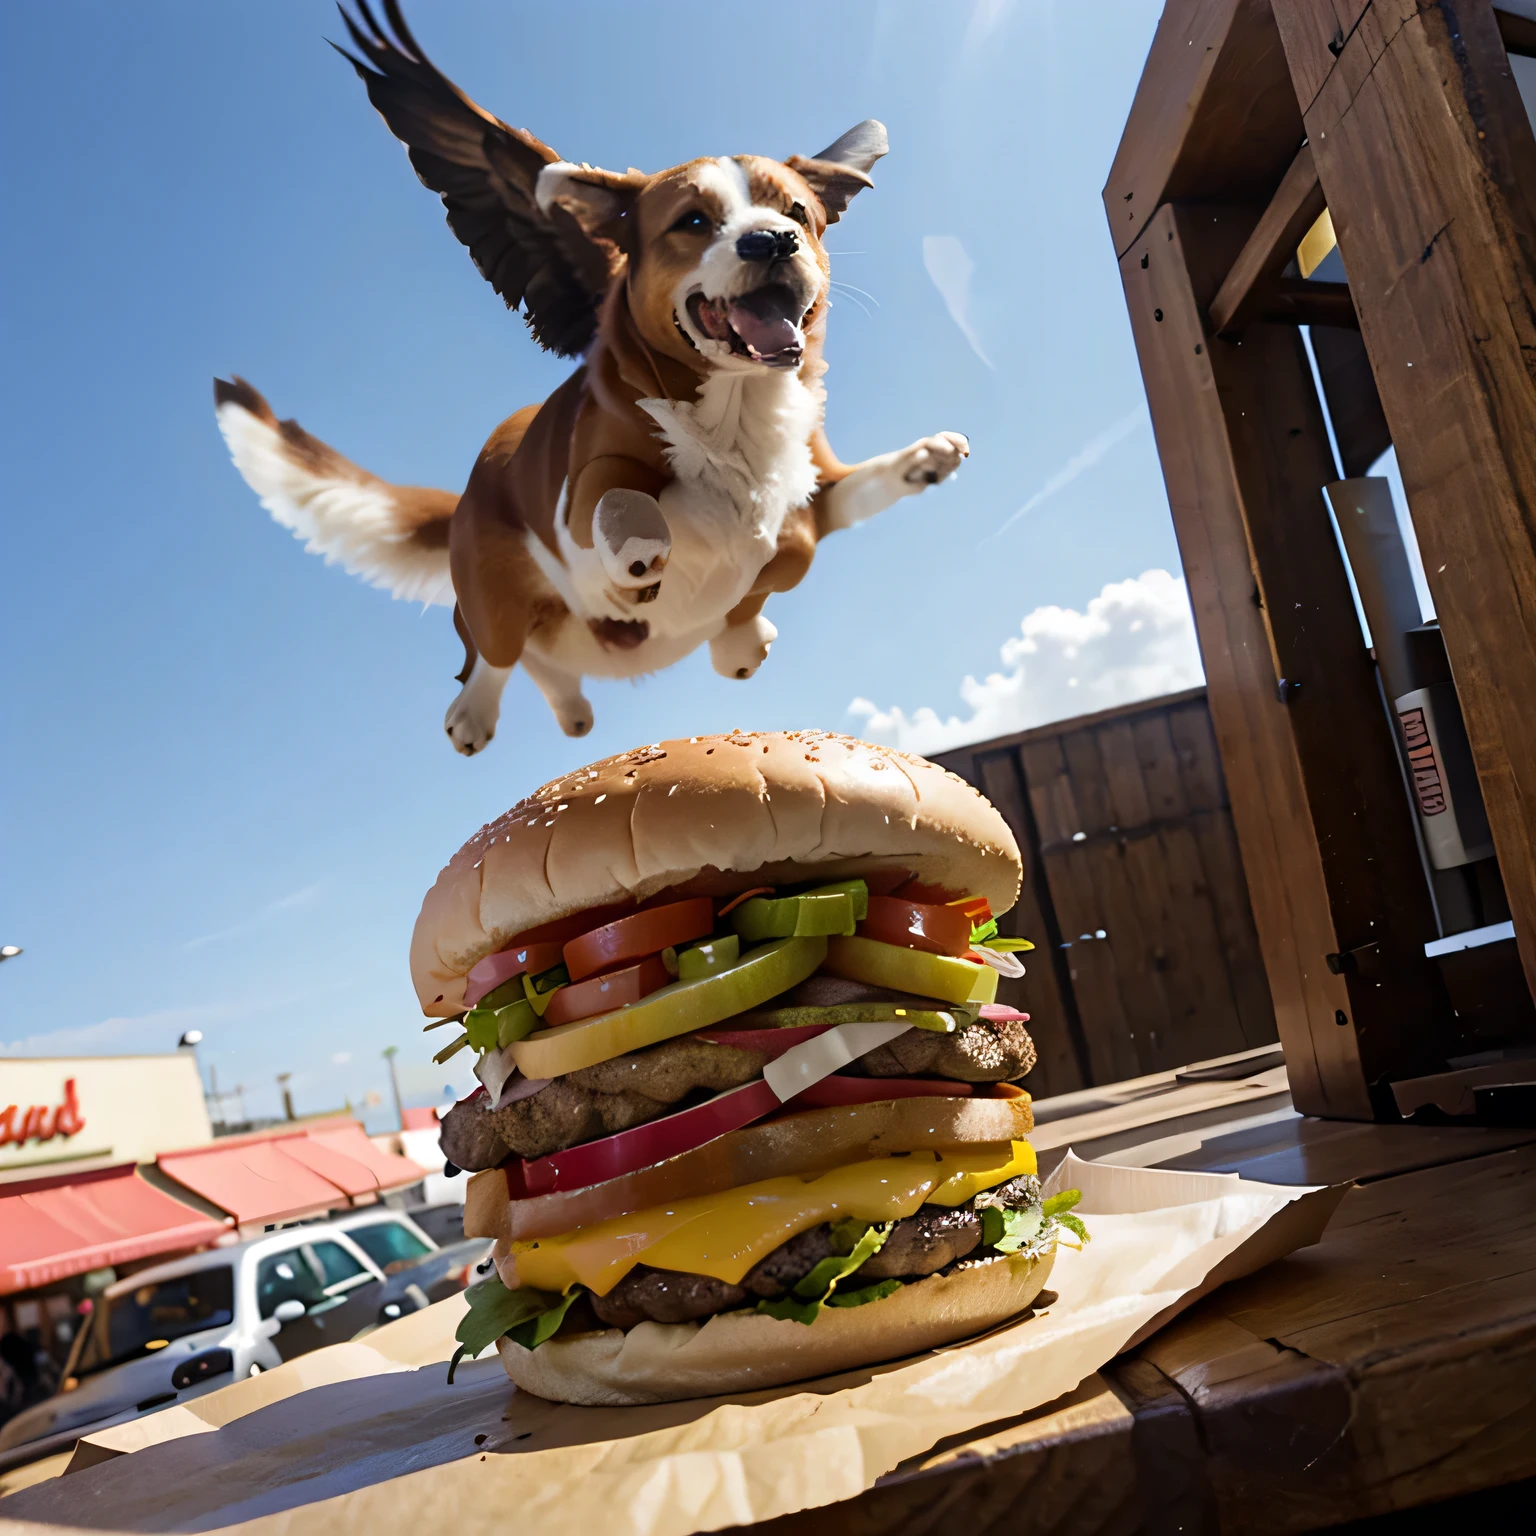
417,1271
177,1330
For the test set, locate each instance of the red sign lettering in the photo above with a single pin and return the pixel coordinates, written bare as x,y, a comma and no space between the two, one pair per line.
1422,767
40,1122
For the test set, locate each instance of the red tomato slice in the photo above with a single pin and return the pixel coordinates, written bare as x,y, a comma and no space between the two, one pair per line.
602,994
772,1042
917,925
560,929
644,933
934,895
835,1090
628,1151
489,973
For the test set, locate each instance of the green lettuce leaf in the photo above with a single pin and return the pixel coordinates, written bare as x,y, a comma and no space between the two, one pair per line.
534,1331
494,1310
1034,1229
811,1294
1008,1231
865,1294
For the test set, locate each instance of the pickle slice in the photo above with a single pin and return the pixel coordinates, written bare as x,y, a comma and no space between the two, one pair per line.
677,1009
910,970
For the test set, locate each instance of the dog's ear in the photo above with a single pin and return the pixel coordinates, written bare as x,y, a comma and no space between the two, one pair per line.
842,169
597,199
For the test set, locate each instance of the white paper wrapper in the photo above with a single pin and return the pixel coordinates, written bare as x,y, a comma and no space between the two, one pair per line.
356,1438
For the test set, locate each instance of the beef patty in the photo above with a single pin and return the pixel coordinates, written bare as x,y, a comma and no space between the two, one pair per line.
920,1245
644,1085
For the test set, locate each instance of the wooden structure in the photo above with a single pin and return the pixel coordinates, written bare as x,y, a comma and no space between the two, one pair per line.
1387,1367
1403,119
1133,893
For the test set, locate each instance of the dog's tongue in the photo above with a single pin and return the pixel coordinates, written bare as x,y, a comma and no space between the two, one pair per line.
765,320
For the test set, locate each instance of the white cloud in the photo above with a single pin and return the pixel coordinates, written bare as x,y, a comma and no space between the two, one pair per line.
1079,464
950,267
340,1058
986,19
307,896
1136,640
128,1035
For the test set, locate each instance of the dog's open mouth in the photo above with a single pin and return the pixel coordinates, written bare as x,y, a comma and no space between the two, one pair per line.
763,325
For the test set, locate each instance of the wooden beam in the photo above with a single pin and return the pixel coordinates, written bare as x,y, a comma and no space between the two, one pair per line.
1305,301
1354,407
1292,211
1428,162
1215,115
1045,992
1518,32
1317,798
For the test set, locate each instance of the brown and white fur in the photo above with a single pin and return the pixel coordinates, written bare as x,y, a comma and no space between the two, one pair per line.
672,483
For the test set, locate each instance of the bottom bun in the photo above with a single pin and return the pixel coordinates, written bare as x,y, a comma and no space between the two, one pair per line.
744,1351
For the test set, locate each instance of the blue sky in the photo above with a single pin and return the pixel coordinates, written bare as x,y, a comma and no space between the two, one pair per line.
226,781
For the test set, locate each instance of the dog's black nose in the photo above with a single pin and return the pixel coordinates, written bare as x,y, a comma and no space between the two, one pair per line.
767,245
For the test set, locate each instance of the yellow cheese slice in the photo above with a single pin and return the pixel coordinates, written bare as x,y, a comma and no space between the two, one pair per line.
1019,1157
910,970
724,1235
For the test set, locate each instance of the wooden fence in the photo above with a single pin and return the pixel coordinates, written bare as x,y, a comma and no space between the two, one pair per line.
1133,892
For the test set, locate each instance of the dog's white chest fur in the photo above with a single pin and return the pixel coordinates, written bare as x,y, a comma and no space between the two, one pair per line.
741,459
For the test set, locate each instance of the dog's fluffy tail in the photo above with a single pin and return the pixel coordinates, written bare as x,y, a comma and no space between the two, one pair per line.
393,536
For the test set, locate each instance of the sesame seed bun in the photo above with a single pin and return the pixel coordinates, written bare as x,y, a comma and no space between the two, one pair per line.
712,815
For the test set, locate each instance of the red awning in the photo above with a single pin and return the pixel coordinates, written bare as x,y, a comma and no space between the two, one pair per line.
56,1227
269,1177
388,1170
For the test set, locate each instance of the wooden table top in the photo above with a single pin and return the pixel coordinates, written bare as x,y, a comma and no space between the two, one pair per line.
1392,1364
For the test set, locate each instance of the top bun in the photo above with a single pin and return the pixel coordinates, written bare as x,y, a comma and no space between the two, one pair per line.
711,815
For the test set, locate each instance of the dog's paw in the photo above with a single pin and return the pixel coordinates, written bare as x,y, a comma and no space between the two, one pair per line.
739,651
932,459
471,721
631,538
574,715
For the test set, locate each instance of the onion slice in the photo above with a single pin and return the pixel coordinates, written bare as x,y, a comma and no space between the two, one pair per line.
1003,963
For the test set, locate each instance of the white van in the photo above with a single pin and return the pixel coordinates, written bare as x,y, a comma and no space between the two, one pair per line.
179,1329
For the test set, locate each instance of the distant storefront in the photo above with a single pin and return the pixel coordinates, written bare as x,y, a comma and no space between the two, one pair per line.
110,1163
90,1112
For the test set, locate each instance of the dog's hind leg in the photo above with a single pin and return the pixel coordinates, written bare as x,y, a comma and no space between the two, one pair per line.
562,691
471,718
742,646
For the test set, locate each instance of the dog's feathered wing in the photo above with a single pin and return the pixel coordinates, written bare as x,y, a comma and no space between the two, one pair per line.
393,536
539,258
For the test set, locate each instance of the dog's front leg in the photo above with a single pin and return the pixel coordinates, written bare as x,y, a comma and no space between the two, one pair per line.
614,512
471,718
878,483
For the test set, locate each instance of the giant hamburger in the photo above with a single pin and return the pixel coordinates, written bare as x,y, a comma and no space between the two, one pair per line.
748,1109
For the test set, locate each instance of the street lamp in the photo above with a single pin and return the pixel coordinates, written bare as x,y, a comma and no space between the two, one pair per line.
190,1041
389,1054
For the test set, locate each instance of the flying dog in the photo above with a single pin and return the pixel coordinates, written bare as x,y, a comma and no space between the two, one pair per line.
677,478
